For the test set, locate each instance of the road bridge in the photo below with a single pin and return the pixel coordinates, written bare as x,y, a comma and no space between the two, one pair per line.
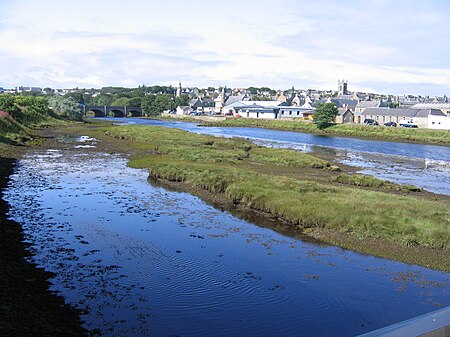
114,111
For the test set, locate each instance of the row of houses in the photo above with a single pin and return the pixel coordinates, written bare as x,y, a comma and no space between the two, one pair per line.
434,115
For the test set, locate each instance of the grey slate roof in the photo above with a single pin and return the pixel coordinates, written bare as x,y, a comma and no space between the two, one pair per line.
342,111
340,103
431,105
234,99
401,112
370,104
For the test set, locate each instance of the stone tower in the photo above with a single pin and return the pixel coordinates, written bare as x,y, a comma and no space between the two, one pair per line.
179,89
342,87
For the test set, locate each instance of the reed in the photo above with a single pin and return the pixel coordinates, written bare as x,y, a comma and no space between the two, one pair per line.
220,166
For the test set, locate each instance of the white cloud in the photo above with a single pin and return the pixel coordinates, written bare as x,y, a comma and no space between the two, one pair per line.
374,44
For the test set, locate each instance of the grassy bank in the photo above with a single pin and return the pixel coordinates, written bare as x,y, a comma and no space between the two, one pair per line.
441,137
19,116
270,181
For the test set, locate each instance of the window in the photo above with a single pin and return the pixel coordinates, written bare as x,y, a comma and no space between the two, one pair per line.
290,113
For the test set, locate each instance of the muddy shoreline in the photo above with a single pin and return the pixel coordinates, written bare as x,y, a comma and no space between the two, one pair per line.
28,307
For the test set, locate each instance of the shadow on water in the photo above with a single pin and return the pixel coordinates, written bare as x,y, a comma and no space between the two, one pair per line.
251,216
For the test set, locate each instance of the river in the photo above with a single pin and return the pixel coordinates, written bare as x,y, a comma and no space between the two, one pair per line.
425,166
140,260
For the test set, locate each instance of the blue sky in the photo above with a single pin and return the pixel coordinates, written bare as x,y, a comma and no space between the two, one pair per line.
385,46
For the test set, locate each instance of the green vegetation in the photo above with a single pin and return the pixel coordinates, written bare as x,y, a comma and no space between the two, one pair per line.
368,181
239,170
153,100
66,106
441,137
324,115
18,114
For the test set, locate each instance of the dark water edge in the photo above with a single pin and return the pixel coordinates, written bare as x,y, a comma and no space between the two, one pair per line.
27,306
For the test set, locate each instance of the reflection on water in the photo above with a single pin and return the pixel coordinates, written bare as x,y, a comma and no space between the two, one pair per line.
140,260
425,166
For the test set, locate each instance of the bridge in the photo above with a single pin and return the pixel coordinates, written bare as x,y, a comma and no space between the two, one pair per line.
114,111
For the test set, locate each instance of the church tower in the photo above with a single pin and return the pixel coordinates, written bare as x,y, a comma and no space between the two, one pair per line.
342,87
179,89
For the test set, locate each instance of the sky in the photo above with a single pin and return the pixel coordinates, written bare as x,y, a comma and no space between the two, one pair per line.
382,46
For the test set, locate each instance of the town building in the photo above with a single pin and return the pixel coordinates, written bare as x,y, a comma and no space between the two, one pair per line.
345,116
294,112
363,105
423,118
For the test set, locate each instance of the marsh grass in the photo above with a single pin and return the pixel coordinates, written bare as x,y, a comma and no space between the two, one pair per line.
218,165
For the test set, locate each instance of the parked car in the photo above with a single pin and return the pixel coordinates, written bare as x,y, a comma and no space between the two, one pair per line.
391,124
369,121
408,125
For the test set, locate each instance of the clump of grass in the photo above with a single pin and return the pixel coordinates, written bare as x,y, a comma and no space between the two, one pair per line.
218,165
372,182
287,158
360,180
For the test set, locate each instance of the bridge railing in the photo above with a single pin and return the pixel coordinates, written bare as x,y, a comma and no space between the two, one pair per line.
433,324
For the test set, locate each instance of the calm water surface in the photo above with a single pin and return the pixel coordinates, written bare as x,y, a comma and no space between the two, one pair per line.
140,260
425,166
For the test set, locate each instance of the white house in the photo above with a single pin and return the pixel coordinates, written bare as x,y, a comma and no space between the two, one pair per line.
295,112
258,112
183,110
254,109
438,120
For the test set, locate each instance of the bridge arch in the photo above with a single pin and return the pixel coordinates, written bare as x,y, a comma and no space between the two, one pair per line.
95,112
132,112
116,113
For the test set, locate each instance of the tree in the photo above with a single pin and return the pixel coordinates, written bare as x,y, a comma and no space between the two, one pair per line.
182,100
153,105
147,105
103,99
393,105
66,106
122,101
325,114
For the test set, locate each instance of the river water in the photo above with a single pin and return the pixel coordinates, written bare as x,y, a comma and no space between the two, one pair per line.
140,260
425,166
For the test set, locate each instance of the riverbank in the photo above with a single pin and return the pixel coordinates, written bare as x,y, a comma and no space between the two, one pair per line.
28,307
421,136
304,193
